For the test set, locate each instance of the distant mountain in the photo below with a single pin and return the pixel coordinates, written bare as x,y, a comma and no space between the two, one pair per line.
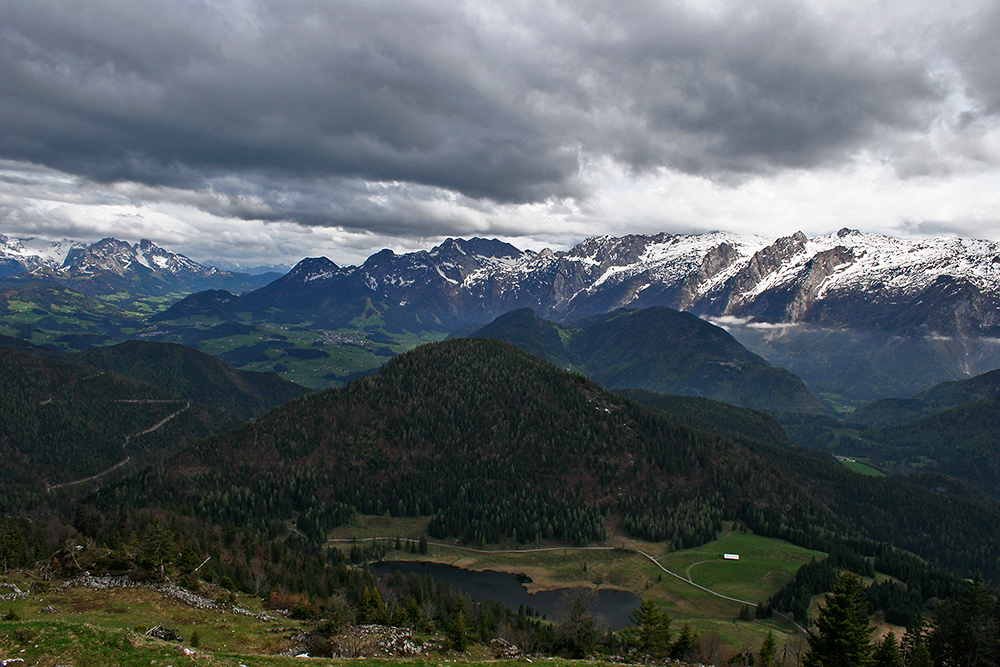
867,281
984,387
110,266
526,330
496,444
19,256
886,412
950,429
657,349
195,376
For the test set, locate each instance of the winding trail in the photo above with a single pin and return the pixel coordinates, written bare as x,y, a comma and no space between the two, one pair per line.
127,458
688,581
687,572
68,384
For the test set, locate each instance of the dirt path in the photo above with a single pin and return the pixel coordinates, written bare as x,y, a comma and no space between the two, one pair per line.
687,572
70,383
691,583
124,445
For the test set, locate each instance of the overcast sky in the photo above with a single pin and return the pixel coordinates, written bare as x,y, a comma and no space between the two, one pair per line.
263,131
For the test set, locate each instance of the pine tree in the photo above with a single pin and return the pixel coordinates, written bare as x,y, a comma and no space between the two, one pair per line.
887,653
651,634
768,651
458,629
684,643
966,632
913,647
842,630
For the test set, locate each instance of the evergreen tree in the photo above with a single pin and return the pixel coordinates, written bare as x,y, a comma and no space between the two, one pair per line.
458,629
684,643
768,651
842,630
887,653
966,631
914,649
651,631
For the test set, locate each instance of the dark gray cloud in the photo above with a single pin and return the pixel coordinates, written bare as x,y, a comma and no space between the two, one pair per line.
974,44
174,93
362,114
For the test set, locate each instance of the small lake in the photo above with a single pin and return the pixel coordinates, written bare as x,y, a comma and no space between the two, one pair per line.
507,589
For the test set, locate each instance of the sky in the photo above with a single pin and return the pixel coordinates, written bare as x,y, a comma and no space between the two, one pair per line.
257,132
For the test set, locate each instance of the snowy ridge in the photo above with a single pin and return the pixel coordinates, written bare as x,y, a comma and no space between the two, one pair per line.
847,278
843,279
29,254
119,257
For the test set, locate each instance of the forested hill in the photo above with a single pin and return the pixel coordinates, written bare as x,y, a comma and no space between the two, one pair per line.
709,415
657,349
498,445
61,421
196,376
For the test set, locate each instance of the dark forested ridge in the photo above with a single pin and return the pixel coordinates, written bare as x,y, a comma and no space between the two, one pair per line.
950,429
497,445
709,415
196,376
657,349
61,421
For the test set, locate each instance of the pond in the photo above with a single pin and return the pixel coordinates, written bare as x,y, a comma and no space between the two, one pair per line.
508,589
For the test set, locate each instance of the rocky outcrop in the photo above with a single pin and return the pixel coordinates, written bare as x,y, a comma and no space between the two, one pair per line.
818,271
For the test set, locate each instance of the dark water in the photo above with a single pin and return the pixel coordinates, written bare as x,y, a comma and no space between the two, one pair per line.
507,589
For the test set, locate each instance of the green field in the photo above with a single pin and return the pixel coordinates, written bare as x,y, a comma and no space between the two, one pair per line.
859,466
765,565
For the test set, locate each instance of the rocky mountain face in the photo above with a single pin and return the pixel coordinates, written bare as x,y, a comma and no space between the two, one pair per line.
947,286
19,256
111,265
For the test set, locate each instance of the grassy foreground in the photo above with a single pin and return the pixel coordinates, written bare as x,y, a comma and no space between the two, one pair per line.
80,626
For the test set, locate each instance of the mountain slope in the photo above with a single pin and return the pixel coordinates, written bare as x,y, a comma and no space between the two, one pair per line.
657,349
62,421
709,415
196,376
498,445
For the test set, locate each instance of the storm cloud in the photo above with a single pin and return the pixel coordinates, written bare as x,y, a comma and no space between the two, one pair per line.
427,118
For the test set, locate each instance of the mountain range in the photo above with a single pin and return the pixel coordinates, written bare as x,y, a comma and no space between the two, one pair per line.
111,265
943,285
857,316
